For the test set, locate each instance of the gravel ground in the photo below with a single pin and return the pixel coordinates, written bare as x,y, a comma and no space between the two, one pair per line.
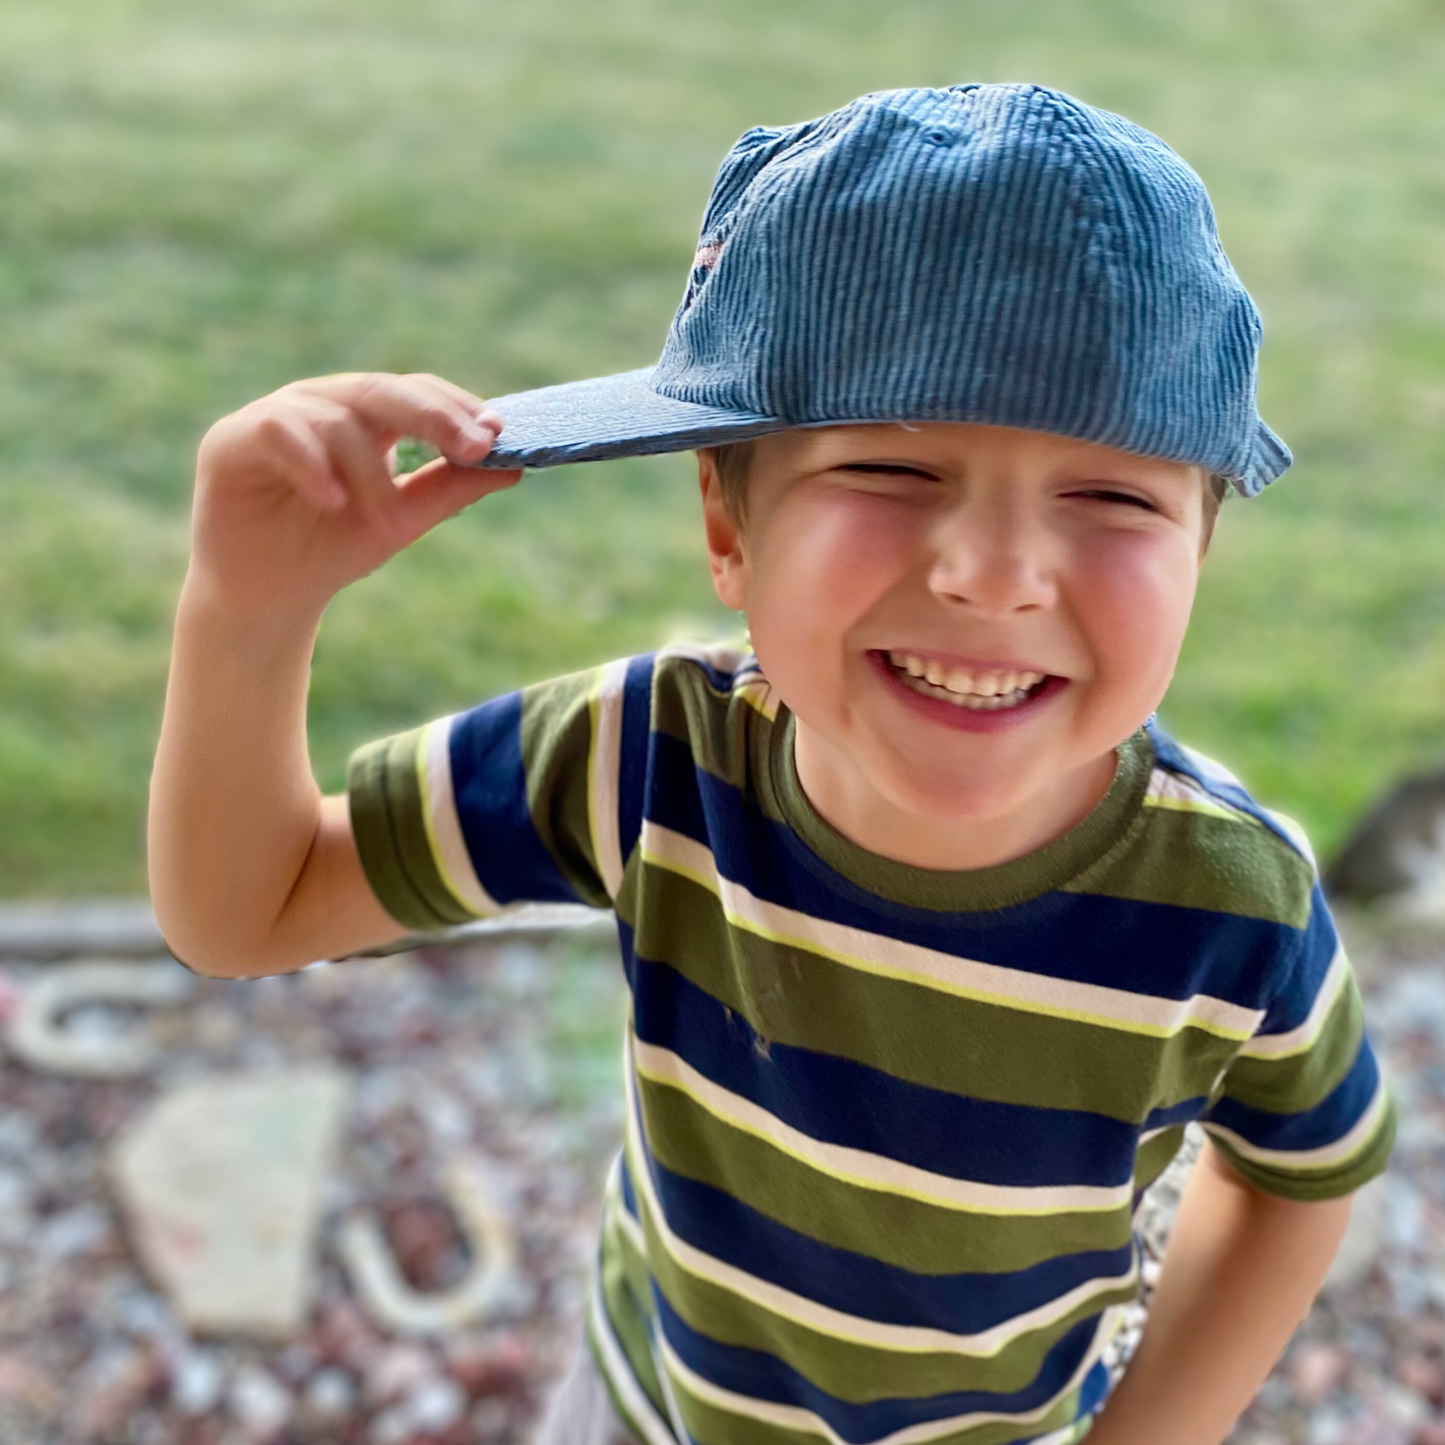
508,1050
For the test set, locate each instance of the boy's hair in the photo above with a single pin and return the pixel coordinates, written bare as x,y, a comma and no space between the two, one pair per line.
734,460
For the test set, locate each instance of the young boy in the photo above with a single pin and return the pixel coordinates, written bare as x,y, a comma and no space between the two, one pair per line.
935,941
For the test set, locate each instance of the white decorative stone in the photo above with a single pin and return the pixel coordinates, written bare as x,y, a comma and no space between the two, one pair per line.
392,1303
197,1379
223,1182
436,1406
260,1403
39,1036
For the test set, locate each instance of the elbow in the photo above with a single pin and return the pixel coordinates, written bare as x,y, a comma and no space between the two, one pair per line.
217,953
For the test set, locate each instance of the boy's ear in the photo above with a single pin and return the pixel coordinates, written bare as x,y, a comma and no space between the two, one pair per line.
725,553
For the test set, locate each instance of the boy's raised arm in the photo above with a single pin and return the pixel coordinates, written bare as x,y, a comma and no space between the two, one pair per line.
251,870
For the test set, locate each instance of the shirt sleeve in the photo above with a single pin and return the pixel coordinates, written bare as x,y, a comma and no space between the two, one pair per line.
1303,1111
525,799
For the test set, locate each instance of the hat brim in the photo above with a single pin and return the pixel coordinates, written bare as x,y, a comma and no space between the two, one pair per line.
610,416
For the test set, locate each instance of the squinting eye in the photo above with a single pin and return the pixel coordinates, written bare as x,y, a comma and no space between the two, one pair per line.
887,469
1107,494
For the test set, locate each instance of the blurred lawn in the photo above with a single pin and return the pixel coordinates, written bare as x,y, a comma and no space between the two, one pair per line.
198,203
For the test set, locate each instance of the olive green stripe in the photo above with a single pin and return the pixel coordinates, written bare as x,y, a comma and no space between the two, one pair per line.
856,1372
556,728
721,729
388,824
1193,860
981,1050
1297,1084
1316,1185
627,1318
1049,867
1155,1155
709,1424
1168,856
905,1233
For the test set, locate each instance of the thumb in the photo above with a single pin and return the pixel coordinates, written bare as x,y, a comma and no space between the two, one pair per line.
441,489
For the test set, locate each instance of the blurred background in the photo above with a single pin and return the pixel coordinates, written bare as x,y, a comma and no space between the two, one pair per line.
200,203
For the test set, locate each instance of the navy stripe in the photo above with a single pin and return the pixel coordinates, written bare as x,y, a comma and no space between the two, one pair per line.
1092,1393
1175,1115
489,783
633,762
629,1194
762,1376
1188,950
1327,1122
727,1229
1170,755
1317,949
843,1102
719,679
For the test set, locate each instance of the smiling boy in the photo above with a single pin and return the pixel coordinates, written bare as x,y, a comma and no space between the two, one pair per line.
935,941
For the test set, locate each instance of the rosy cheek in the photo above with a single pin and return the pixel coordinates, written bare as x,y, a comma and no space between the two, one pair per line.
1134,596
822,568
835,558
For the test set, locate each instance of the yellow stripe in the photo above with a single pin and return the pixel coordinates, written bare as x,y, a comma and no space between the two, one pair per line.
713,883
794,1417
819,1157
1271,1048
1328,1157
822,1319
1205,806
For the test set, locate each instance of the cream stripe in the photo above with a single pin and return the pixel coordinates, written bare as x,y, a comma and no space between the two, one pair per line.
905,1339
642,1414
864,1169
1296,835
1302,1036
721,656
1327,1156
757,692
749,684
604,761
443,828
1170,791
966,978
1214,771
793,1417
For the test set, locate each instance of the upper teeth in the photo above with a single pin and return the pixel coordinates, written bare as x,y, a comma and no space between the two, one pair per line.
961,680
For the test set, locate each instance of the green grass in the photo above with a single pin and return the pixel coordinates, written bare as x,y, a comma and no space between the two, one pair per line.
198,203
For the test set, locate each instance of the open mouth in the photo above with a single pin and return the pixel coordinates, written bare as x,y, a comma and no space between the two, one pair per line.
978,691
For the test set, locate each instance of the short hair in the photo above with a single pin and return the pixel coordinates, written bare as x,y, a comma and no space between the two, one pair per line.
734,460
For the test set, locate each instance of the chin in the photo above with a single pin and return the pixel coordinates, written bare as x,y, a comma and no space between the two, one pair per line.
945,798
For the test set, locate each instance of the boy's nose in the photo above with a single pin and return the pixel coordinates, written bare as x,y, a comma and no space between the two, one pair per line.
993,561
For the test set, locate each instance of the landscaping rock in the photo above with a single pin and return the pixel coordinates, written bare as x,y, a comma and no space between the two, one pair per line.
379,1280
223,1181
105,1048
506,1051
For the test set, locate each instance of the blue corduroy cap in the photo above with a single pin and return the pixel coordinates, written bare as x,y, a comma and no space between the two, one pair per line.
985,253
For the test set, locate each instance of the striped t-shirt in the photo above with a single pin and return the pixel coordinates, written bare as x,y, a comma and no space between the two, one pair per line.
887,1128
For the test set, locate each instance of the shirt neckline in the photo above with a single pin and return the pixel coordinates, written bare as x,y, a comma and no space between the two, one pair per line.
969,890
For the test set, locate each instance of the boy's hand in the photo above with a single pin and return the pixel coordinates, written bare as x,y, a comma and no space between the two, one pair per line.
295,495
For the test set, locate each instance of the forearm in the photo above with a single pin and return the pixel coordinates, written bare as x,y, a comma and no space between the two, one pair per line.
252,871
236,818
1241,1272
